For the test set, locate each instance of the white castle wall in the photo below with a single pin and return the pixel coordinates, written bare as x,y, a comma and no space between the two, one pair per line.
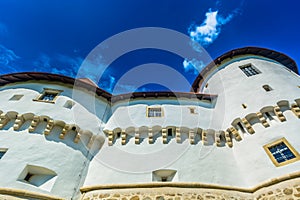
234,88
87,108
246,164
173,115
65,157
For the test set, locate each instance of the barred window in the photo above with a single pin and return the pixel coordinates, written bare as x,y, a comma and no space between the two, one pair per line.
48,95
281,152
249,70
154,112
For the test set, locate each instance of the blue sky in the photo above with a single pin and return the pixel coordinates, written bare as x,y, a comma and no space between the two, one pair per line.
55,36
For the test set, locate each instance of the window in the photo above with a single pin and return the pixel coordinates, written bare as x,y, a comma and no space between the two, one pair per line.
69,104
37,176
164,179
249,70
16,97
269,116
240,126
48,95
170,132
163,175
192,110
267,88
118,134
2,152
281,152
154,112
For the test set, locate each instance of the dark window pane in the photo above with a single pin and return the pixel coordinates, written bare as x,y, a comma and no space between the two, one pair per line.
281,152
154,112
48,97
2,154
249,70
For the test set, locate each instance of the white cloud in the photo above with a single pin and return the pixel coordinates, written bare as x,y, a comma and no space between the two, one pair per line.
7,56
205,34
90,70
43,62
111,81
126,88
8,60
59,64
210,29
194,66
71,66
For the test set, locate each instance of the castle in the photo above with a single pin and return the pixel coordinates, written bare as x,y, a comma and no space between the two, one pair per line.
234,136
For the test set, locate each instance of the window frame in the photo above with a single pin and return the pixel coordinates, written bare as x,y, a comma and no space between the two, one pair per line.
154,107
3,151
16,97
164,175
51,91
242,67
288,145
267,88
69,104
192,110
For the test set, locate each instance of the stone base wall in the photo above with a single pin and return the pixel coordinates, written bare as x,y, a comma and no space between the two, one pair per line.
165,194
286,190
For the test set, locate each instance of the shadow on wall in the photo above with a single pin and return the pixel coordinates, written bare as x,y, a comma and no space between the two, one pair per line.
265,117
53,130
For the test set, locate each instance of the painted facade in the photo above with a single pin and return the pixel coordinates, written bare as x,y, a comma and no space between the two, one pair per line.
234,136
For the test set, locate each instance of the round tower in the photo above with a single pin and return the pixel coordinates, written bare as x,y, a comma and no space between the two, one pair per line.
44,147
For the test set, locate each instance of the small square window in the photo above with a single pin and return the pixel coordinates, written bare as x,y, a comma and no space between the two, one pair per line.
244,106
249,70
2,152
69,104
48,95
16,97
163,175
192,110
267,88
38,176
154,112
281,152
